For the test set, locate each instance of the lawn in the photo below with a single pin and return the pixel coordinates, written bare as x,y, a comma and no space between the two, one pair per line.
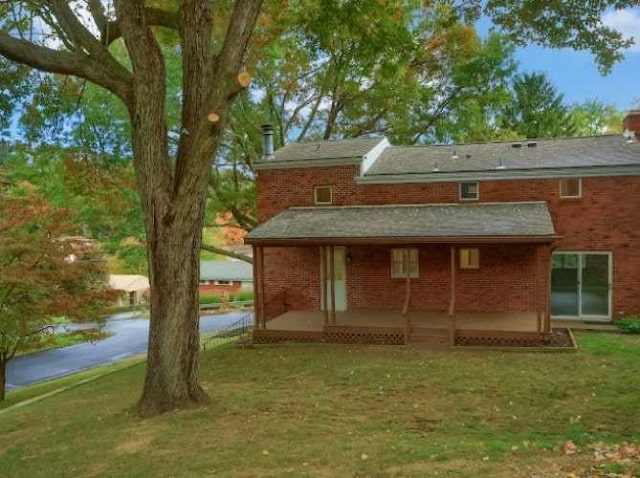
366,411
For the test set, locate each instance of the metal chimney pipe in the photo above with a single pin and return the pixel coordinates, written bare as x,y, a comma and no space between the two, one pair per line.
267,141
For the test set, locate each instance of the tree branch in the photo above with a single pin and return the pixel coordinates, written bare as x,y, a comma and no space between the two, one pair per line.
224,252
64,63
153,17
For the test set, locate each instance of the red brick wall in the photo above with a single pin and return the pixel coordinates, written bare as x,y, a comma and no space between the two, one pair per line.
279,189
292,279
606,218
221,290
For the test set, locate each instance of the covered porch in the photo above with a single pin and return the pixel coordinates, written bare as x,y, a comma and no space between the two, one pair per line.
370,285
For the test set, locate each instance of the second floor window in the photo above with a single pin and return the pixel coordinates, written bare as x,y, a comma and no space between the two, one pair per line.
469,191
323,195
570,188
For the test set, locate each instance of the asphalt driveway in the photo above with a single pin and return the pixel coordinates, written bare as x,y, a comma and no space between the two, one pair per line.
129,337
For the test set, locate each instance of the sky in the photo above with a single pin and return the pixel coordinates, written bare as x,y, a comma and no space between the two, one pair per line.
576,76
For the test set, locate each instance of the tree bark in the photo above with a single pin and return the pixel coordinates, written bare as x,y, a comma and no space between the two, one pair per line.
3,376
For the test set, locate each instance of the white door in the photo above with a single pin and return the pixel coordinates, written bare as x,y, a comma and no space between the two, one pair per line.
340,282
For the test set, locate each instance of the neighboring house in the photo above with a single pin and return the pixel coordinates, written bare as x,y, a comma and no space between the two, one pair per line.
359,240
134,288
225,277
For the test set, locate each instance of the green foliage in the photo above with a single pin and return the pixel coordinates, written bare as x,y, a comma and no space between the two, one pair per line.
629,324
594,117
536,110
573,24
242,296
210,299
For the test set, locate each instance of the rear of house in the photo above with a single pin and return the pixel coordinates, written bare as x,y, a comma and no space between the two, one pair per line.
360,240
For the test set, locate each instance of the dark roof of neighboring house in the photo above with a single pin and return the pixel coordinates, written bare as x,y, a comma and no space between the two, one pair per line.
610,150
427,222
337,149
226,270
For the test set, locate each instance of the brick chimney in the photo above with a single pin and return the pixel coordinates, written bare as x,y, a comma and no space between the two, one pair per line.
631,122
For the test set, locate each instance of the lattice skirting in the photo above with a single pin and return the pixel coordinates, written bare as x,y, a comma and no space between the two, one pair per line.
487,339
364,335
333,334
283,336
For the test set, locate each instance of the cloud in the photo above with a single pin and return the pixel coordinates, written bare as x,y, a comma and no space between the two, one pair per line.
626,22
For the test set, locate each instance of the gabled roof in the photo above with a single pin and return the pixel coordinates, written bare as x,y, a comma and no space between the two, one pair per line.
523,221
226,270
346,149
610,150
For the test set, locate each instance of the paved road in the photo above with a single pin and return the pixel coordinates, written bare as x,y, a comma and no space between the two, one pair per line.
130,337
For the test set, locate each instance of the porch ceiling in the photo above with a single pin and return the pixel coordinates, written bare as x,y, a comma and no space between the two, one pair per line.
451,223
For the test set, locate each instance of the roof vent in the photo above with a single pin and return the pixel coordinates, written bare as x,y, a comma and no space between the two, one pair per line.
468,156
516,145
267,141
532,144
501,164
435,167
455,154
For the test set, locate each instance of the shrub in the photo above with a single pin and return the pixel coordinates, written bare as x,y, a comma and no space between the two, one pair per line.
210,299
629,324
241,296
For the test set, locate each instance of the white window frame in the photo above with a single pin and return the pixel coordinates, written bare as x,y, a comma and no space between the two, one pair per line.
414,263
315,194
564,196
462,184
466,258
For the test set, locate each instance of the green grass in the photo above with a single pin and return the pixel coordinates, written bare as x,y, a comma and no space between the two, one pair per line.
330,410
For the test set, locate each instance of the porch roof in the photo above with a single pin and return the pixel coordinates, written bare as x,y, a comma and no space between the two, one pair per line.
451,223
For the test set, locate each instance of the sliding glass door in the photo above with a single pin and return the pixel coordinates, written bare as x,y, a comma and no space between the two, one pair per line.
581,285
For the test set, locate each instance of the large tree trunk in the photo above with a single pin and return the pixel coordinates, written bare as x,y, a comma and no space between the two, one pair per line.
172,362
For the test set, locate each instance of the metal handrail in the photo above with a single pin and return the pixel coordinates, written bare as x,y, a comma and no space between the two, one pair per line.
237,329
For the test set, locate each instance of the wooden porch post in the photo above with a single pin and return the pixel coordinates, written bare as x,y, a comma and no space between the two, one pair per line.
452,299
323,285
260,259
538,294
407,300
547,289
332,278
256,290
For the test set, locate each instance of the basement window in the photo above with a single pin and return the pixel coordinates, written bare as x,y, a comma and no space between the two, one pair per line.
570,188
469,191
398,269
323,195
222,282
469,259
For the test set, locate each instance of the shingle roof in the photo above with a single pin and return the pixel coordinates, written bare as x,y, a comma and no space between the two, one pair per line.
611,150
226,270
128,283
408,221
338,149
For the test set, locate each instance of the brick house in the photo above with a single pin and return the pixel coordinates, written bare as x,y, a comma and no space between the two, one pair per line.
360,240
225,277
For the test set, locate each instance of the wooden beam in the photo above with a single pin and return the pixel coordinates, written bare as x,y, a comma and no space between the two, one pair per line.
547,288
260,259
332,278
323,284
407,299
538,294
452,298
256,291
